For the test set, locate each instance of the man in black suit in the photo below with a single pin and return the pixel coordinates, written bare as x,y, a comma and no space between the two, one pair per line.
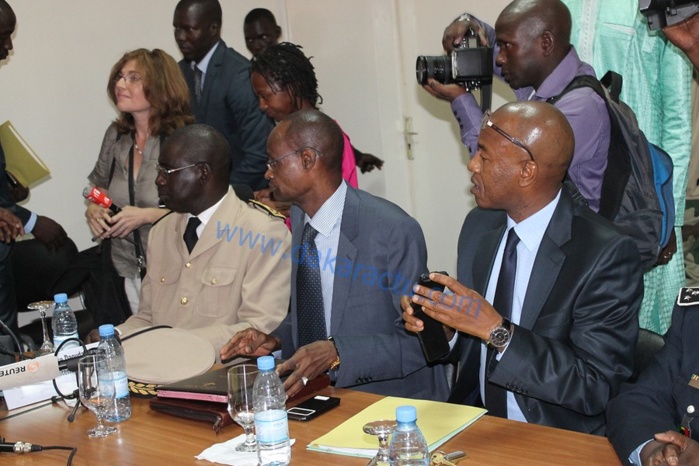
647,420
556,302
219,82
14,219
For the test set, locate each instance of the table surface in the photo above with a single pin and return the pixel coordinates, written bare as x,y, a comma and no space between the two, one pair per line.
149,435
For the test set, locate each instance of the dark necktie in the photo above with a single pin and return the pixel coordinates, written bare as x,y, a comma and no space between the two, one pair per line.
309,302
190,233
197,83
496,396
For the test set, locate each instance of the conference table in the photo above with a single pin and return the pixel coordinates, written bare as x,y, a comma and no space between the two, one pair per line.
154,438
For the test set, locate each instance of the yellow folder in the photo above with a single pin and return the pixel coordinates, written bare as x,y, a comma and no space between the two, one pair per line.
21,159
438,422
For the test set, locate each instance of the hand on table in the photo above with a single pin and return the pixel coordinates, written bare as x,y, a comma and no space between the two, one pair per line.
249,342
307,363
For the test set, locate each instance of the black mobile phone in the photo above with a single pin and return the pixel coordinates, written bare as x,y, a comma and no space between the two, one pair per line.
433,340
312,407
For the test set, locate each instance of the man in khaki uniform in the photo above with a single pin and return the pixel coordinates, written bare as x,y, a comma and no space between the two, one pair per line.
215,265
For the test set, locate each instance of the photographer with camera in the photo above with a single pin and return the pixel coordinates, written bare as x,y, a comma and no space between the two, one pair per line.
533,54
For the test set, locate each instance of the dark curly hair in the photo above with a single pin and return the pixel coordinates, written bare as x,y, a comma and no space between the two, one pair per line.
285,66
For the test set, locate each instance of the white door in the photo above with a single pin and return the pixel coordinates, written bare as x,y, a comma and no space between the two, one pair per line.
364,52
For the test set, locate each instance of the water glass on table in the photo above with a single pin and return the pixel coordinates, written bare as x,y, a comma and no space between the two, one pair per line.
241,379
96,388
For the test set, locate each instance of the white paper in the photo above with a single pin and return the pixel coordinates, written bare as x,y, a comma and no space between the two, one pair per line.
34,393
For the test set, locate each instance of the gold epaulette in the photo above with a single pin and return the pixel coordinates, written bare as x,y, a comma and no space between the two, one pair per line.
266,209
142,389
688,296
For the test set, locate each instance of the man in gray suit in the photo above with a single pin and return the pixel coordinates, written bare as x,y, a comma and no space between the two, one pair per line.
365,254
546,302
219,82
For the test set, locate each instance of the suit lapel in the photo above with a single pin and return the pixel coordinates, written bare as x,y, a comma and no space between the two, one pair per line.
346,259
549,261
212,72
484,257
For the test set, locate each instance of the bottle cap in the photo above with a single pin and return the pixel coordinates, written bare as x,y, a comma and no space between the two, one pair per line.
60,298
265,363
406,414
106,330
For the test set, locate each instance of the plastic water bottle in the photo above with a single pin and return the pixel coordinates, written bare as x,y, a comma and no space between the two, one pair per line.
271,423
109,346
63,322
408,446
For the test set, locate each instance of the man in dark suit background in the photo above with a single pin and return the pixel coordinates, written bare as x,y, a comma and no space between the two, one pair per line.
219,82
45,230
365,252
557,302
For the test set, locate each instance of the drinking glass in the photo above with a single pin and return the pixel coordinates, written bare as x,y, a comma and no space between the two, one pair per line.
47,345
241,378
382,429
96,387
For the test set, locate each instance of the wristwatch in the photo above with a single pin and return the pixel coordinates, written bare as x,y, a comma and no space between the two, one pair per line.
336,363
500,335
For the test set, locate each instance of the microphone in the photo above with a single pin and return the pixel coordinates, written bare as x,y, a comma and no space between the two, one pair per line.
96,196
36,370
19,447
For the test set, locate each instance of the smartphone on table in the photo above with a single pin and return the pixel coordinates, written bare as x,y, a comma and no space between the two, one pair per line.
312,407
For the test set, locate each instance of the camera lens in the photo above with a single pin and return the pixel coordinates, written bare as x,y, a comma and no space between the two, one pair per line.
438,68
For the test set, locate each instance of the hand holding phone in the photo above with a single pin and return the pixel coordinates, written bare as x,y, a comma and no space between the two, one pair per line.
432,338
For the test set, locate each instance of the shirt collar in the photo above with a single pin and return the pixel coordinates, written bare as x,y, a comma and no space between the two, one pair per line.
330,212
206,215
570,67
531,230
203,64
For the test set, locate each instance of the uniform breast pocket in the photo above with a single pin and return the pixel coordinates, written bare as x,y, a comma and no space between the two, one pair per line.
164,283
685,396
217,296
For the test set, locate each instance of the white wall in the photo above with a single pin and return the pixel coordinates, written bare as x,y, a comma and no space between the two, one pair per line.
53,88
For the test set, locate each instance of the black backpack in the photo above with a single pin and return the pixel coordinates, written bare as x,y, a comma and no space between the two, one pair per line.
637,185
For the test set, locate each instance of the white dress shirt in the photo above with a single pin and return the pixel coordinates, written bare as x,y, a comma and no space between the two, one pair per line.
530,232
327,222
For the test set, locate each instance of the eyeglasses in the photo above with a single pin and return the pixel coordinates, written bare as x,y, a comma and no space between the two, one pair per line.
486,122
129,79
272,163
165,172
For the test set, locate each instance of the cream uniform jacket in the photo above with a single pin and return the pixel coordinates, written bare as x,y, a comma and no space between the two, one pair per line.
237,276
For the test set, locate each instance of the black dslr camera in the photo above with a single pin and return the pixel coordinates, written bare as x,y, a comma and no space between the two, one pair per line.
661,13
469,65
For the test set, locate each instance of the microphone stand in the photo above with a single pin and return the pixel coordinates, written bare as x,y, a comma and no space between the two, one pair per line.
76,393
74,411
